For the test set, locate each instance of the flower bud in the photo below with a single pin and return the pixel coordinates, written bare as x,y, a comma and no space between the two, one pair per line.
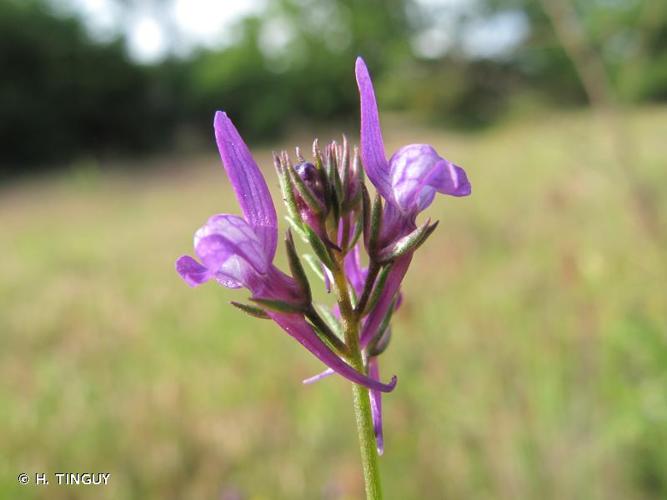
312,180
347,175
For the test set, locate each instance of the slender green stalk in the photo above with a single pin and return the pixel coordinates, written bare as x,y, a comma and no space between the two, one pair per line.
362,404
367,443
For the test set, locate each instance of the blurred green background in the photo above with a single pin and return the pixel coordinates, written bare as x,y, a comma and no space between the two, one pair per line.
531,349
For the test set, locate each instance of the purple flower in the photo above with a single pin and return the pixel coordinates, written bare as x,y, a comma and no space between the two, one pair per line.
408,183
414,173
239,251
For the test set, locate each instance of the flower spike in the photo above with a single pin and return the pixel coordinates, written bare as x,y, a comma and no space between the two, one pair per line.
237,252
330,208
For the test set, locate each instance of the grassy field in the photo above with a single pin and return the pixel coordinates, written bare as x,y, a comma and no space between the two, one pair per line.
531,350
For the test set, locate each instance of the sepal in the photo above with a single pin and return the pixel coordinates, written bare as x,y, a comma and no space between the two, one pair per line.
344,168
326,332
380,340
330,320
319,247
377,289
297,227
305,192
381,344
295,266
286,188
408,243
279,306
253,311
353,182
366,214
375,226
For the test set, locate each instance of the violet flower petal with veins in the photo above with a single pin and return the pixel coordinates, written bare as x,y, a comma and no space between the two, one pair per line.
414,173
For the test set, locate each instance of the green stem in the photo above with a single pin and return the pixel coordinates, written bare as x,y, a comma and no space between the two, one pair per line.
362,403
367,443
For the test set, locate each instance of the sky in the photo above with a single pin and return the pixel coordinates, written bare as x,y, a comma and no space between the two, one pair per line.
150,26
156,27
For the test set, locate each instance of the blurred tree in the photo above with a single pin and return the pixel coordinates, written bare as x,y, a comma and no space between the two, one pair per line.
62,95
630,38
294,63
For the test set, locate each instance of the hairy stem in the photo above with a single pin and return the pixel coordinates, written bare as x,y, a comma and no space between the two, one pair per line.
362,405
367,443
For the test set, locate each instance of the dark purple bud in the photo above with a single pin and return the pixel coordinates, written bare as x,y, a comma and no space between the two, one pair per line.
308,195
311,178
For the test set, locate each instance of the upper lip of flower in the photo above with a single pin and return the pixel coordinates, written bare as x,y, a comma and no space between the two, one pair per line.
414,173
239,251
249,185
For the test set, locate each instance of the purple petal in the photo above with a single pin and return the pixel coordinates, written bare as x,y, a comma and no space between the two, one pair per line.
229,248
223,261
455,182
316,378
276,285
236,238
392,285
395,224
376,405
249,185
372,148
353,270
417,172
297,327
192,271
